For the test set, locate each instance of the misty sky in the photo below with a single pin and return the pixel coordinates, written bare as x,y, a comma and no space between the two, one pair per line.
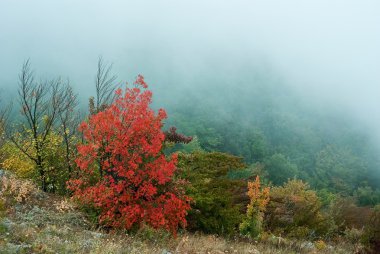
328,50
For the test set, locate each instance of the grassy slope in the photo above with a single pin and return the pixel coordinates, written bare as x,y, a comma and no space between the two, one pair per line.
42,223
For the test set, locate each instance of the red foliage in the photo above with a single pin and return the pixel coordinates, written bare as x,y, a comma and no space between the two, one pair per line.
172,136
122,170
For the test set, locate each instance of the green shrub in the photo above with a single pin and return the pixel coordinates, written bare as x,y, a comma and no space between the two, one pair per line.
218,202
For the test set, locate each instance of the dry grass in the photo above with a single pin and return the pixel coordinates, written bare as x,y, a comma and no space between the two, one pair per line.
42,223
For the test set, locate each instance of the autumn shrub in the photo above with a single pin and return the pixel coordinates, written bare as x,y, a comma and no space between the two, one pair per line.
347,215
14,190
371,236
252,224
320,245
64,205
218,202
295,210
122,171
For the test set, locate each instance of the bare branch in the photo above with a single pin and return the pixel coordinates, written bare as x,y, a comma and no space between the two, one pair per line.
69,121
105,85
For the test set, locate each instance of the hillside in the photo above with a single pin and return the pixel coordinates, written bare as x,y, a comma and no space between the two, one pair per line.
36,222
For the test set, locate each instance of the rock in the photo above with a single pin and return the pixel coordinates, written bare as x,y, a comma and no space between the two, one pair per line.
165,252
307,245
96,234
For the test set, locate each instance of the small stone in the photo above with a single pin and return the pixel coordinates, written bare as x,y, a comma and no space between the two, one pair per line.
307,245
165,252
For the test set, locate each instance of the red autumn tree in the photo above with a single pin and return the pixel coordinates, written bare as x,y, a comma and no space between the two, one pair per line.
122,169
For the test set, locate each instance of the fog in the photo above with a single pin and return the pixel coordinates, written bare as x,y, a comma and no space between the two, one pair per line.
326,50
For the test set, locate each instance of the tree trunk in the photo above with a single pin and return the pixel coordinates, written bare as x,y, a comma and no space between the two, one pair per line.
42,173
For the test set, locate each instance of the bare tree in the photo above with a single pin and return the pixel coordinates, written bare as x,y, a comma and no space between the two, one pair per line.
41,105
69,122
105,85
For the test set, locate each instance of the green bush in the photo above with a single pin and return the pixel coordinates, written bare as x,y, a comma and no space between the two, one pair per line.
218,202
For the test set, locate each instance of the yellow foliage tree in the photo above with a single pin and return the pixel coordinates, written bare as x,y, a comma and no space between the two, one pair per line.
17,162
259,199
23,166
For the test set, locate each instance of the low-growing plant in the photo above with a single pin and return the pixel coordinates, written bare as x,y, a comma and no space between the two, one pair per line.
64,205
320,245
16,190
353,235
